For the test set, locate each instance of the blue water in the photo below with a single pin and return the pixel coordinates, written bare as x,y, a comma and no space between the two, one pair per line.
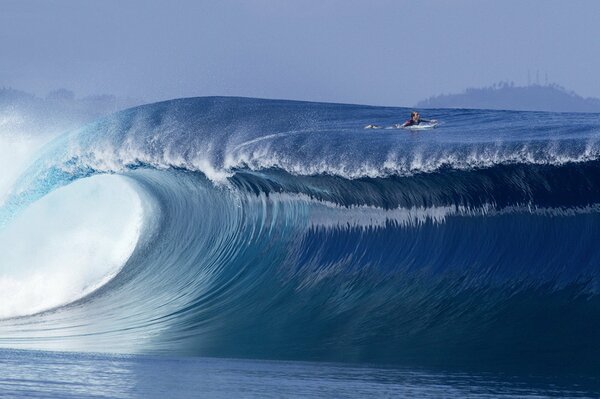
285,230
76,375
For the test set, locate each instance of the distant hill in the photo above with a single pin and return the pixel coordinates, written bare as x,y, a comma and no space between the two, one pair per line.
519,98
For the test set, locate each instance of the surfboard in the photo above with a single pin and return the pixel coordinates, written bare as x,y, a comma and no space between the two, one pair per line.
421,126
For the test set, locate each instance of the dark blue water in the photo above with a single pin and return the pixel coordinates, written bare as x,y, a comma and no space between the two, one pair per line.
259,229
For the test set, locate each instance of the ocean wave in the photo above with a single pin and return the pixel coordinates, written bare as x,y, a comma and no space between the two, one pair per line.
276,229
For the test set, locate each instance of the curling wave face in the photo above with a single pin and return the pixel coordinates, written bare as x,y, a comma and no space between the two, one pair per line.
278,229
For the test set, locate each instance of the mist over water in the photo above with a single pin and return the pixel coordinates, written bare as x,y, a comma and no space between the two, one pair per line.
80,235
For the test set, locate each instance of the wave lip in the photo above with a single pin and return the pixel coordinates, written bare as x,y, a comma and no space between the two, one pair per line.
218,136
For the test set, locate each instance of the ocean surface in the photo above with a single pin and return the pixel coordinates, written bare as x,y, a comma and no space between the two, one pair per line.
143,253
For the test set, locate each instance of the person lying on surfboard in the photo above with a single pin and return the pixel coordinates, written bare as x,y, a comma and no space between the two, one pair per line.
416,119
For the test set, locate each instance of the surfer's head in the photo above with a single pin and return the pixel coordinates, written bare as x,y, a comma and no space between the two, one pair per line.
414,116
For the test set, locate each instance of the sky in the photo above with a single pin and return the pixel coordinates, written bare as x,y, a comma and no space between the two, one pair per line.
380,52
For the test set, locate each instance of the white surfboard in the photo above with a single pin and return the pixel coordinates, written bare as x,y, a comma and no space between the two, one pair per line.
421,126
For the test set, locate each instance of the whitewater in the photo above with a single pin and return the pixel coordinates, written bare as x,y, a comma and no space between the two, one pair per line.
271,229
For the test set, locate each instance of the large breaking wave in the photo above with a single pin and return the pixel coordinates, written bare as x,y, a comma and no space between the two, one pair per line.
278,229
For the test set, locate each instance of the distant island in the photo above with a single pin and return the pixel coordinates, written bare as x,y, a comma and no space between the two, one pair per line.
505,95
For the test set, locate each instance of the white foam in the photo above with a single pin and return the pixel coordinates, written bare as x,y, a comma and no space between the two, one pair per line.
16,151
67,244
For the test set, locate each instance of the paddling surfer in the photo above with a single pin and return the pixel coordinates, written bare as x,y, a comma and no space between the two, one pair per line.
415,119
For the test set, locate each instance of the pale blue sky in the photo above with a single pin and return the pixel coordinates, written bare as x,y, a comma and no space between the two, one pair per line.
374,52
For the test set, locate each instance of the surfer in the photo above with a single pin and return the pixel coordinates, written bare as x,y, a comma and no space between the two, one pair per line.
416,119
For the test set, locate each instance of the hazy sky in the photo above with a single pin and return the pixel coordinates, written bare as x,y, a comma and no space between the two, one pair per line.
375,52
